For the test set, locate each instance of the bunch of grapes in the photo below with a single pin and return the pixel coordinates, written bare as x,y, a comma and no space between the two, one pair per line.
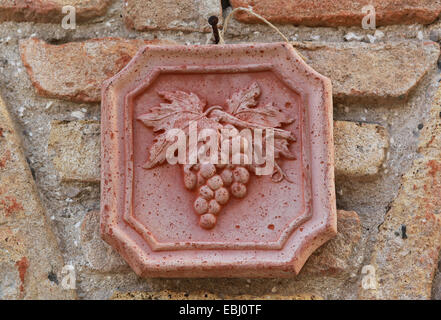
215,184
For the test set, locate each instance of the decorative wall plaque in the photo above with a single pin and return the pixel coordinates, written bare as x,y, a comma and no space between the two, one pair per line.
217,161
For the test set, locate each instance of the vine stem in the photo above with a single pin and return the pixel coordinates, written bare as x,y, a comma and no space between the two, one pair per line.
226,117
278,174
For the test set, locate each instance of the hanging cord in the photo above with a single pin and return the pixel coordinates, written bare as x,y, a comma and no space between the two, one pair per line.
250,11
228,18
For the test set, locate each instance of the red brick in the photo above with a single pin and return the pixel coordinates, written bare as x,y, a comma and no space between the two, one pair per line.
185,15
50,11
340,12
75,70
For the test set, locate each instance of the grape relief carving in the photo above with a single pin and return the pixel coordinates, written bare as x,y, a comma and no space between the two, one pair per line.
215,182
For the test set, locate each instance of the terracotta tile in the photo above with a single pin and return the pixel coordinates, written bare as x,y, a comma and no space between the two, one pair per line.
288,220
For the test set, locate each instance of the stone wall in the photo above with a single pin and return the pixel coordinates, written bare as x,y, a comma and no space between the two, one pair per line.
387,112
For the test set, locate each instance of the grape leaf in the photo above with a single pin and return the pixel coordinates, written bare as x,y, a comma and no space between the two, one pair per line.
242,105
281,149
181,108
157,153
243,111
243,99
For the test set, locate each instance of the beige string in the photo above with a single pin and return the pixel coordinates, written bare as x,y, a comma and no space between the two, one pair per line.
228,18
250,11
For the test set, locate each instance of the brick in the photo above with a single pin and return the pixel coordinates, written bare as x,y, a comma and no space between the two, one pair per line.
185,15
372,71
75,71
360,149
174,295
406,252
28,248
99,255
333,258
50,11
340,13
76,145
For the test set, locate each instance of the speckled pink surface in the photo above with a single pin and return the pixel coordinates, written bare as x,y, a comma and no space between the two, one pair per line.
147,215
